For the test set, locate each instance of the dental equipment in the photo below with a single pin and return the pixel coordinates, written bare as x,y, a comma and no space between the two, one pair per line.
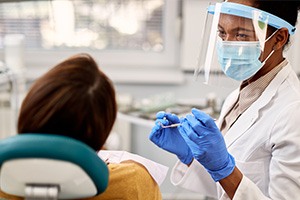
169,126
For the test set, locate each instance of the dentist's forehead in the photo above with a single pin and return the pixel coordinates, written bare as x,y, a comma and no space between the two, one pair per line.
244,2
227,21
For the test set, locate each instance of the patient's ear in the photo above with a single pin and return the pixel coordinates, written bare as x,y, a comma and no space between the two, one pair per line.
102,148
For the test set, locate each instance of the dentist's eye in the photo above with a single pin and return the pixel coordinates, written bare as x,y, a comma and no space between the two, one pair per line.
222,34
242,37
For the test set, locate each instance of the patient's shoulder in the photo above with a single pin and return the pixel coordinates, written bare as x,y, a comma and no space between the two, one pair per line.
130,169
4,196
130,180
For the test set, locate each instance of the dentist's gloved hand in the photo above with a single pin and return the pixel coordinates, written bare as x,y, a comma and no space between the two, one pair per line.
170,139
210,150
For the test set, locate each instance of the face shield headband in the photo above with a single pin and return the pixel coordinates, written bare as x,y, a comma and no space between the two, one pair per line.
247,12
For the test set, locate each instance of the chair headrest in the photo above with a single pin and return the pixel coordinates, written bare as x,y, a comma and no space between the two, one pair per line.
56,147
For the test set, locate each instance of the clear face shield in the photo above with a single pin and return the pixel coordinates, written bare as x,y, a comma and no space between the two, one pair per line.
233,43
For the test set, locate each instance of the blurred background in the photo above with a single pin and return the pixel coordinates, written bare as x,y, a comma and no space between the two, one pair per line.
149,48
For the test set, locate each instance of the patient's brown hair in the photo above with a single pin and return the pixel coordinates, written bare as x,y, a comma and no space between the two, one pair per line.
75,98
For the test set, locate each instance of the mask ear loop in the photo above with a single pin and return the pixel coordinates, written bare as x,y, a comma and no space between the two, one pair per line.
273,49
271,35
264,62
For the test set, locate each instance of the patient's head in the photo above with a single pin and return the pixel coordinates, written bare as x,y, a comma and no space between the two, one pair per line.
74,99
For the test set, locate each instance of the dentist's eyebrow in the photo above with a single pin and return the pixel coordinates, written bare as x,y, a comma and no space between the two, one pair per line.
237,29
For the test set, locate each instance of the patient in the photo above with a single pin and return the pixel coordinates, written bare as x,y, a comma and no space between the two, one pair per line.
78,100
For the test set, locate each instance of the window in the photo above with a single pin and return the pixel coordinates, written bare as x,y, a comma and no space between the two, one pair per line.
118,32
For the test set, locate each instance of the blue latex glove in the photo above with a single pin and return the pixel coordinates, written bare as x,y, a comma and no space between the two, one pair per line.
170,139
210,150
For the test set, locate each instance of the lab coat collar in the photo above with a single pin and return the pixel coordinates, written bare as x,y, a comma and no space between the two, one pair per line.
247,119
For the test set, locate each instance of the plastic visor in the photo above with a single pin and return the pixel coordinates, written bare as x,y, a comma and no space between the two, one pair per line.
231,22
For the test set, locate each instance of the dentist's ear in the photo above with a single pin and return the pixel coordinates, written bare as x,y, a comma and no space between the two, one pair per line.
281,38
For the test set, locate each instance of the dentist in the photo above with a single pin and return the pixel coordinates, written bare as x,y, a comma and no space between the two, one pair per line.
252,151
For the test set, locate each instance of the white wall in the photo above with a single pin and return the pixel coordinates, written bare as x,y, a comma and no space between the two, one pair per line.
292,53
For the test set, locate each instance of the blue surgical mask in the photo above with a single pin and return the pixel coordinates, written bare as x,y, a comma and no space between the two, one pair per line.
240,60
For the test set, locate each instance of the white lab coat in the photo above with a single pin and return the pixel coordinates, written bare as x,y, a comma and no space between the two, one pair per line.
265,142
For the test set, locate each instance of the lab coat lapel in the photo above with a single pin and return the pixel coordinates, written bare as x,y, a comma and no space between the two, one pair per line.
228,104
247,119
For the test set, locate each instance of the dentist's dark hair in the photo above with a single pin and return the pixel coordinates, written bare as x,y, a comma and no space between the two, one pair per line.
75,99
287,10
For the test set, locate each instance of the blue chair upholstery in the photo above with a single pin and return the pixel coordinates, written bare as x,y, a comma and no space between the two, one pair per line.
30,160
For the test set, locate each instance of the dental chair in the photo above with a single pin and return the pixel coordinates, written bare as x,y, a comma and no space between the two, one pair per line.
45,166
